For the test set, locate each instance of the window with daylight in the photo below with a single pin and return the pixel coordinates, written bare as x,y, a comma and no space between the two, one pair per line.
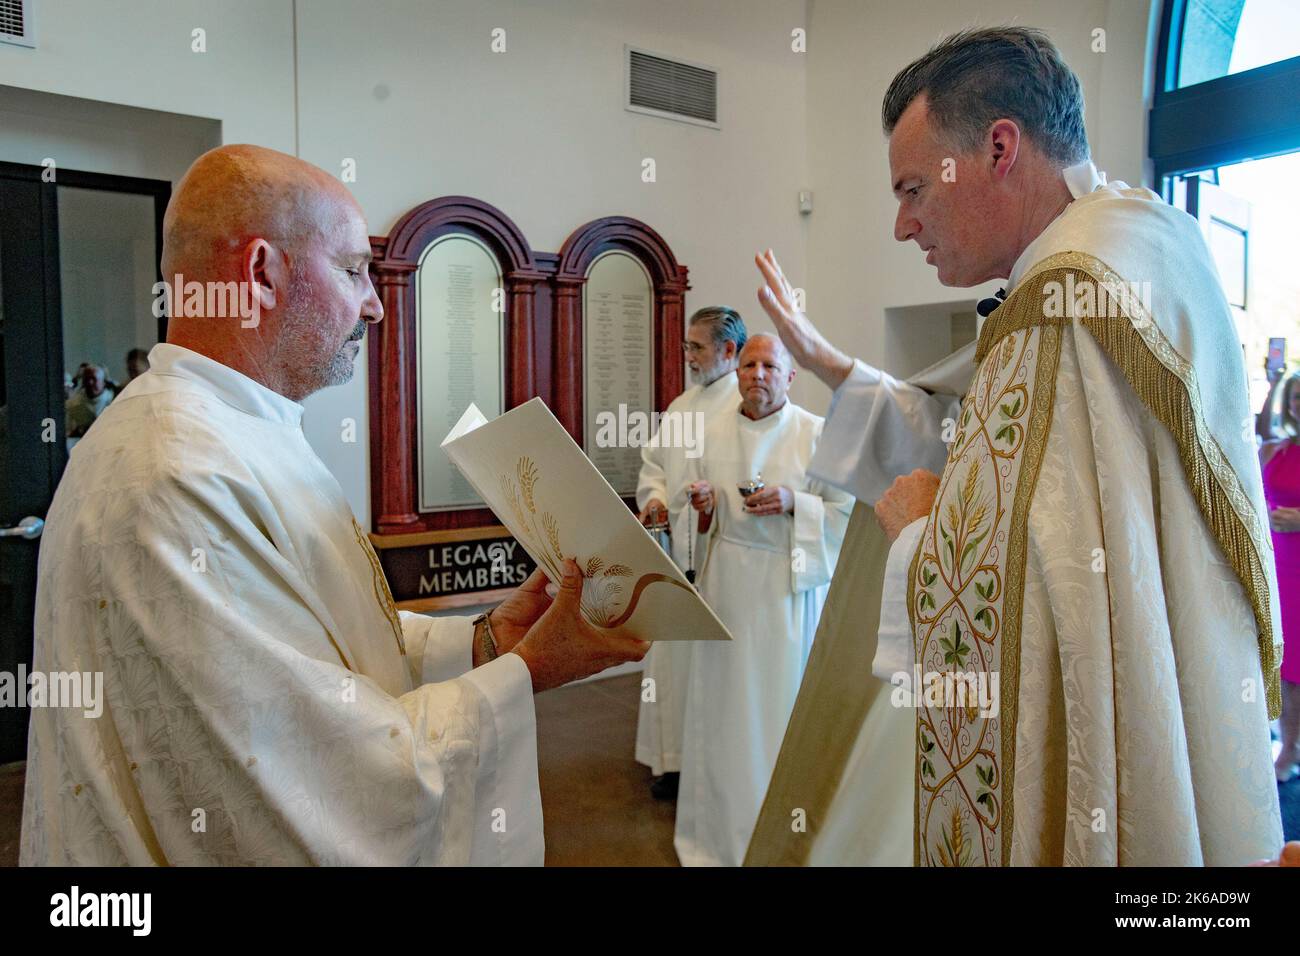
1225,146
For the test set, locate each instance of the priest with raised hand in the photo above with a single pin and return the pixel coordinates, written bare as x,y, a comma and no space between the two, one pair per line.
714,337
770,537
840,793
265,701
1096,548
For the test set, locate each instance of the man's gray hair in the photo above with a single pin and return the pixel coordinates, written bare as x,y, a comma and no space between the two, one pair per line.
975,77
724,325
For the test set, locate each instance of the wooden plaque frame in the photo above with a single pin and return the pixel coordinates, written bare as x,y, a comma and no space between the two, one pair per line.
669,280
393,460
542,338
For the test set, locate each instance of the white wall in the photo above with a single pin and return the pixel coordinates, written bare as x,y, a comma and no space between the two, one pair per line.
411,90
857,270
540,131
138,53
88,135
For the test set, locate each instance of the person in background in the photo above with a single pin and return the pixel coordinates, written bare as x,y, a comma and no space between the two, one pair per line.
714,337
137,363
1269,418
766,559
88,401
1280,460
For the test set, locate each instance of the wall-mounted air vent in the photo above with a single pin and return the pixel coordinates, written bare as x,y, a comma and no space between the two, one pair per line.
671,89
16,22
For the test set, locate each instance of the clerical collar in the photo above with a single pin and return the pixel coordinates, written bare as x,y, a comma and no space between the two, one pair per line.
234,388
1081,179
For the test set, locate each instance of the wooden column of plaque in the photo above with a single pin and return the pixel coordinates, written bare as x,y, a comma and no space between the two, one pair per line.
392,370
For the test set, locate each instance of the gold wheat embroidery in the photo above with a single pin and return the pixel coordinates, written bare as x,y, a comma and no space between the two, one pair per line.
603,591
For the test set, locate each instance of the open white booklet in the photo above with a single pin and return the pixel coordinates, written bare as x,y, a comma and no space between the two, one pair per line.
550,496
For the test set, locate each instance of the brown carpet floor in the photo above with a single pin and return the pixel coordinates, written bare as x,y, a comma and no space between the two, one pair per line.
596,801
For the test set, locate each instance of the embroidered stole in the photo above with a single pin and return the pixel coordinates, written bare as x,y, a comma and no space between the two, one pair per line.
966,580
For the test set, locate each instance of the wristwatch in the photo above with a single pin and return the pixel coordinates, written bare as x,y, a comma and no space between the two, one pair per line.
483,636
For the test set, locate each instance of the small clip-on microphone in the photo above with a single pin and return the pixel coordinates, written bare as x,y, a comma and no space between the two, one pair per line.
985,307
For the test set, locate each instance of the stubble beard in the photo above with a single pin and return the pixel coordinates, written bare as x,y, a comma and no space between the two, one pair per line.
303,369
343,364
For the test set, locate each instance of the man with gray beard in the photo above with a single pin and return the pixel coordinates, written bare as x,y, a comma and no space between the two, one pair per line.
714,337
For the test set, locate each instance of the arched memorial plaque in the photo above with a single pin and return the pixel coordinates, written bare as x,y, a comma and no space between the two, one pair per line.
618,364
582,386
459,342
472,313
442,345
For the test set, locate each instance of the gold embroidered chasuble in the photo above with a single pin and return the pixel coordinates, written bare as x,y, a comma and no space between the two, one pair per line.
1093,599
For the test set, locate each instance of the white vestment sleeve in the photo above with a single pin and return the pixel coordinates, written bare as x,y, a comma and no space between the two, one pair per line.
438,648
508,807
441,649
895,648
821,516
877,429
652,481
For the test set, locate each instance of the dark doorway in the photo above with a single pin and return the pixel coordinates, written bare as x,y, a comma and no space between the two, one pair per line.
83,290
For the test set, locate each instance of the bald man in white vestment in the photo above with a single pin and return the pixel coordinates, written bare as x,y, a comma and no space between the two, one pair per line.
769,558
714,337
265,703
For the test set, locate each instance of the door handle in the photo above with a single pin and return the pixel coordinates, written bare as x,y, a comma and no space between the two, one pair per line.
29,528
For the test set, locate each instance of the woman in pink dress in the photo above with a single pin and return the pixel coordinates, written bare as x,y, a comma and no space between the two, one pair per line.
1280,460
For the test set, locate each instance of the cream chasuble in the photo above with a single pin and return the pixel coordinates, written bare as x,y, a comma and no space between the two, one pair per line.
1098,557
766,577
841,791
665,474
264,701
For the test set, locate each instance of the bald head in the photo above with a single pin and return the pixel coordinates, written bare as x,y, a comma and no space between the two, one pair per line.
766,343
292,243
235,193
764,375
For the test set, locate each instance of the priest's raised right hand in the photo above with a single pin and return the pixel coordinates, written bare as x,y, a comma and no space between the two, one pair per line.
562,646
806,345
